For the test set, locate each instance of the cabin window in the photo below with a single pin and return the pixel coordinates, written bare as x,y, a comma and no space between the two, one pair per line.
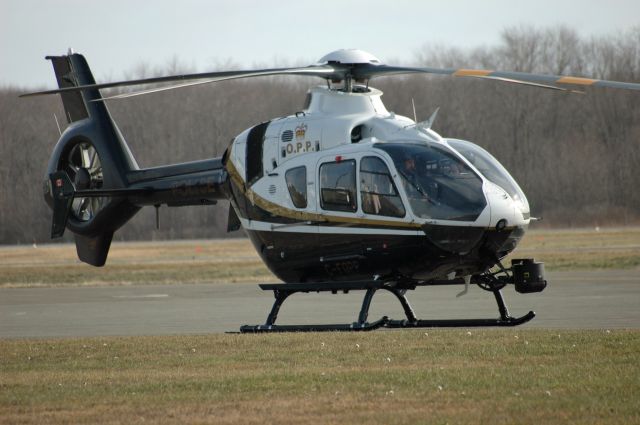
338,186
378,193
297,184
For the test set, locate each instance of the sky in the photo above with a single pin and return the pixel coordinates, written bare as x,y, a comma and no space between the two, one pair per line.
117,36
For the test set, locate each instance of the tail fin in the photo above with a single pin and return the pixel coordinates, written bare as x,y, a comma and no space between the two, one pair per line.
94,250
94,155
74,106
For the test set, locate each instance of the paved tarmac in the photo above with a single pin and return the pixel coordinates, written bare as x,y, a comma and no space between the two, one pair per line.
598,299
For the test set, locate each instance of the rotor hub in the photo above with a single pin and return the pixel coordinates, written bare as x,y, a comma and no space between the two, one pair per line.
82,179
349,57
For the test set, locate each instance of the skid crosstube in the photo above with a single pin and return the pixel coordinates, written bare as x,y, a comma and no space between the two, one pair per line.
282,291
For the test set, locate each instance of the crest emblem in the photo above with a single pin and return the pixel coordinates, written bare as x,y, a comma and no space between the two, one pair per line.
301,130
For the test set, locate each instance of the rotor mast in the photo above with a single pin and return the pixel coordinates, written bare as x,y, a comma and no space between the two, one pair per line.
347,60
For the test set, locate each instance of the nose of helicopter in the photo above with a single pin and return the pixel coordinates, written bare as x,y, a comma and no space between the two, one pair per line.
495,233
504,210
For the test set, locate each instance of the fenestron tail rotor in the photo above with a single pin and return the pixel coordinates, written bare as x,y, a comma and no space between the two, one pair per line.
84,167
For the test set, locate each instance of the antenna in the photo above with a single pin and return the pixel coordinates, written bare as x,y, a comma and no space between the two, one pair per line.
57,124
415,117
424,125
157,206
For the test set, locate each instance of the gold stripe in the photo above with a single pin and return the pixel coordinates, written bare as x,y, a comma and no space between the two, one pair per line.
472,73
576,80
281,211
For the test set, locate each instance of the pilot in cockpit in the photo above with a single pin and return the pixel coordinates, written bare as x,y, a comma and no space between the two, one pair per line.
410,174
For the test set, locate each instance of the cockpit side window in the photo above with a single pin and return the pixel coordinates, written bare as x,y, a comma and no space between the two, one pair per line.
491,169
297,184
377,190
338,186
438,184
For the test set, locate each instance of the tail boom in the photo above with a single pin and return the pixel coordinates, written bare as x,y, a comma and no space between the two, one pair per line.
94,185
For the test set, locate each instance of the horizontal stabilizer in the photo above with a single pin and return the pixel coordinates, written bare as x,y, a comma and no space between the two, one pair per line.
63,192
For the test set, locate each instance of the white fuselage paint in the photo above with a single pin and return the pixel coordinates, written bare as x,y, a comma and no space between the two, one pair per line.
322,133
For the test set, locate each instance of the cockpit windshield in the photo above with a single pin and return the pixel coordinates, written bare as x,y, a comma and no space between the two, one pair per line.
491,169
439,184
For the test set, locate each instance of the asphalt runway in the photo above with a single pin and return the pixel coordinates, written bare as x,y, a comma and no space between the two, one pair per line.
575,300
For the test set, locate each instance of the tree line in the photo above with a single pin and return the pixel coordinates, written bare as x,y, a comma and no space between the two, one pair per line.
576,156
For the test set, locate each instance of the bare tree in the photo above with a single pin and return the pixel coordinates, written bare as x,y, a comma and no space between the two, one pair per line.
576,156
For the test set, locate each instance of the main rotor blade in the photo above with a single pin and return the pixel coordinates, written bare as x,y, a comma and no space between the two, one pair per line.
358,71
209,81
529,83
367,71
324,71
159,89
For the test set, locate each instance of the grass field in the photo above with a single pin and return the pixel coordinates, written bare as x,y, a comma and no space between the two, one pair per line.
438,376
235,260
385,377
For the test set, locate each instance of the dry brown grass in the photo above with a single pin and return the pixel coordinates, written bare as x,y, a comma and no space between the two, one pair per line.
228,260
583,248
235,260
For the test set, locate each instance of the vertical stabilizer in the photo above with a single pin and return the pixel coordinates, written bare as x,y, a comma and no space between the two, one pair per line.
90,155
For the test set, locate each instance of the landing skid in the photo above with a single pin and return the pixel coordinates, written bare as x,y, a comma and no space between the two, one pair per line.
282,291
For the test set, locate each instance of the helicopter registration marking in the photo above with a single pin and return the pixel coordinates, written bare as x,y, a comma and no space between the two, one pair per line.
299,147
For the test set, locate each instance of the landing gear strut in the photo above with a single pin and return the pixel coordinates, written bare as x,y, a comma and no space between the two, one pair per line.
493,282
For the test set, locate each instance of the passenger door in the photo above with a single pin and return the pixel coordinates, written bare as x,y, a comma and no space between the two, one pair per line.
339,243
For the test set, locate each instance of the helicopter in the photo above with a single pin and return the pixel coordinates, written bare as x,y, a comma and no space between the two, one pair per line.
340,196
